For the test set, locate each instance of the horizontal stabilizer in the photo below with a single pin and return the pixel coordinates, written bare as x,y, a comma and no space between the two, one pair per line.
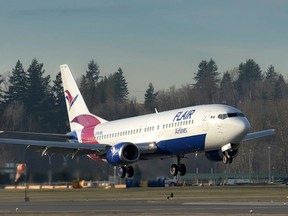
259,134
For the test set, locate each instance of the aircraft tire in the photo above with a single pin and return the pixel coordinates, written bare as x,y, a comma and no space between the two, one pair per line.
121,171
230,160
182,169
174,170
225,159
129,171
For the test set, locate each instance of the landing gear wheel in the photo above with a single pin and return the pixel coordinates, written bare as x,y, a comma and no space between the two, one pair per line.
225,159
129,171
174,170
182,169
230,159
121,171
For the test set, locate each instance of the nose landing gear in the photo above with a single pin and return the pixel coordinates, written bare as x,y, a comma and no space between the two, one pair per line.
228,153
227,158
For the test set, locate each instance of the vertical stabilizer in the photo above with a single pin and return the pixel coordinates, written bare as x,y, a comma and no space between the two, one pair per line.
79,115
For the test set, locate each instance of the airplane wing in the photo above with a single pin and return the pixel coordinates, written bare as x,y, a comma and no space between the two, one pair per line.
259,134
49,143
47,147
33,135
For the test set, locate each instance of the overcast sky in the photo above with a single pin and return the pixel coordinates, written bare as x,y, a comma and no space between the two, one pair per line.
158,41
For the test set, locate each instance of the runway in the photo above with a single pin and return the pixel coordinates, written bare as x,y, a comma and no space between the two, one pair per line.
130,207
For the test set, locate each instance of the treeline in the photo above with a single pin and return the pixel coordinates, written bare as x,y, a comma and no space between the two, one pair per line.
30,101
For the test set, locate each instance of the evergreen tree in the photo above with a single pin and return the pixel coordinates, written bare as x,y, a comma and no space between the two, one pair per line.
39,100
2,92
207,81
271,74
120,86
150,98
88,84
227,91
280,89
17,90
92,74
13,109
250,77
270,81
60,112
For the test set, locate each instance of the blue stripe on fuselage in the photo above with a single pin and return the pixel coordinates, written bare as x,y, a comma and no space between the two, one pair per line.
182,145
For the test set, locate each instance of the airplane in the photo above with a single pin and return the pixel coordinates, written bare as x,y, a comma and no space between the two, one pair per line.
214,129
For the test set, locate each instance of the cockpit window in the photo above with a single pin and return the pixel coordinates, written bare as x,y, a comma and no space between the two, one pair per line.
222,116
230,115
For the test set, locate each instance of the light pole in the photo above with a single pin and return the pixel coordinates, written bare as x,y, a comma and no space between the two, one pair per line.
197,182
114,175
269,165
49,170
211,173
249,165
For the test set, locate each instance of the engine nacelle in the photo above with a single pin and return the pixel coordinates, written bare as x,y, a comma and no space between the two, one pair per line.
217,155
122,154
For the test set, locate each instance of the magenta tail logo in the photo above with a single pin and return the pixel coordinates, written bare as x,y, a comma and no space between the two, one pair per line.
71,100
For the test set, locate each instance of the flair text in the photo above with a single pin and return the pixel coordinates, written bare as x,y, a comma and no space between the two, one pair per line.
183,115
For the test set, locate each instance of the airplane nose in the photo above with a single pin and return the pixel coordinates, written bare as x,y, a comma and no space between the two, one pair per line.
240,128
245,125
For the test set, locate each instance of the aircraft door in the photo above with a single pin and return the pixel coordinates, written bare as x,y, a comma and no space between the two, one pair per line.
205,121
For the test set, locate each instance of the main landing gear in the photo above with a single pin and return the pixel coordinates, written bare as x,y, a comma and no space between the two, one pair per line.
178,168
123,171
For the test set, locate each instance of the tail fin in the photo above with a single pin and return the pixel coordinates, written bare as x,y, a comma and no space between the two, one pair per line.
79,115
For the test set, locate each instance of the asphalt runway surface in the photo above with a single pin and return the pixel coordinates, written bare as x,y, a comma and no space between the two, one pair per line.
131,207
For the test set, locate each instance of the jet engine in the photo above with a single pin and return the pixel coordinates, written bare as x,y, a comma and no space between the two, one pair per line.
217,155
123,154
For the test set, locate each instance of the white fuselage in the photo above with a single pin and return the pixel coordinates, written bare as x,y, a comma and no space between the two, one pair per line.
179,131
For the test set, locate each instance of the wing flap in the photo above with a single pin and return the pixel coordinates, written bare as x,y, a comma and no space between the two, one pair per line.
259,134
